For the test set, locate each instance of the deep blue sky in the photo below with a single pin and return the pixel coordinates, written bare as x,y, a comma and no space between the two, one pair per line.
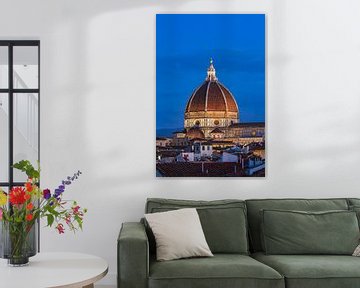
184,45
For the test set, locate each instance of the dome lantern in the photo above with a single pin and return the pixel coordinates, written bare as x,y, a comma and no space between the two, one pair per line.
211,73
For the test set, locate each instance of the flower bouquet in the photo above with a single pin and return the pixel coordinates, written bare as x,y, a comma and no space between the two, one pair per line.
21,208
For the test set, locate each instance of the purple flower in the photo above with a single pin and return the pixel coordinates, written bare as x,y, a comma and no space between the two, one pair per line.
46,194
64,183
58,192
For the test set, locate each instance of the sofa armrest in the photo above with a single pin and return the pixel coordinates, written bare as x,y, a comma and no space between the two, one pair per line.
133,256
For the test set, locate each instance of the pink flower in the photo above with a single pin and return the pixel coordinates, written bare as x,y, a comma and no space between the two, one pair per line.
60,228
76,210
68,219
1,213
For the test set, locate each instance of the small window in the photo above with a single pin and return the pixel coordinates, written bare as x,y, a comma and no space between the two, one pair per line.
216,122
197,123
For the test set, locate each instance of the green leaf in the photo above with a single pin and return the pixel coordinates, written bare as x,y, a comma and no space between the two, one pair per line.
28,168
52,211
50,219
79,221
22,164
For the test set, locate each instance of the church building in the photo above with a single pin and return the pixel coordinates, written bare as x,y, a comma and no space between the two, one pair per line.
212,113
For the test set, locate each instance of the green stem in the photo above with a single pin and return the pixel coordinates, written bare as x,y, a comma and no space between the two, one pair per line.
18,238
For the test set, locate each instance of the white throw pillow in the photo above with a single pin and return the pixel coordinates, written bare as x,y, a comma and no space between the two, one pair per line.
357,251
178,234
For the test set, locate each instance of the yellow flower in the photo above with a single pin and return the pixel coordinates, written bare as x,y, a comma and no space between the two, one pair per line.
3,198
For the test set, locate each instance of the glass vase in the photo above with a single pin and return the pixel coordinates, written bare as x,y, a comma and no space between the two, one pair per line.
18,242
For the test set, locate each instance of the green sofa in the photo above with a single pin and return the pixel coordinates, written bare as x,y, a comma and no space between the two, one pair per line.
233,230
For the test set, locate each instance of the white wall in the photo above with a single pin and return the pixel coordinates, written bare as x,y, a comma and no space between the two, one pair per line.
98,105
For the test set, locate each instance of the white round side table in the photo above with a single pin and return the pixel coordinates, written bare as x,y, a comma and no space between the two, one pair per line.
50,270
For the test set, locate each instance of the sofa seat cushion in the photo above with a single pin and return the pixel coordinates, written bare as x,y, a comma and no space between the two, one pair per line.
222,270
313,271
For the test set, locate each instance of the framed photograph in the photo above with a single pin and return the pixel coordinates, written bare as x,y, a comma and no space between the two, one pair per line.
210,95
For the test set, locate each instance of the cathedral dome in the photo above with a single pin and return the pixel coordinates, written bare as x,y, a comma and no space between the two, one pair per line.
211,105
211,95
195,132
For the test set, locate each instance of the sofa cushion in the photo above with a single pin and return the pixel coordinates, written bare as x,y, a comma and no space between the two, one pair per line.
356,209
353,201
354,205
224,222
314,271
254,207
297,232
222,270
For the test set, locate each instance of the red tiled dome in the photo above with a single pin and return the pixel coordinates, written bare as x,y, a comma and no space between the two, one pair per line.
212,96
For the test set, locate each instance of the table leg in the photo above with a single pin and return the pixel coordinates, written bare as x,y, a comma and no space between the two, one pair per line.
89,286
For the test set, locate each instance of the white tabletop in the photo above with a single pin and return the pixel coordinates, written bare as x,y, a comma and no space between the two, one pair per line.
54,270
